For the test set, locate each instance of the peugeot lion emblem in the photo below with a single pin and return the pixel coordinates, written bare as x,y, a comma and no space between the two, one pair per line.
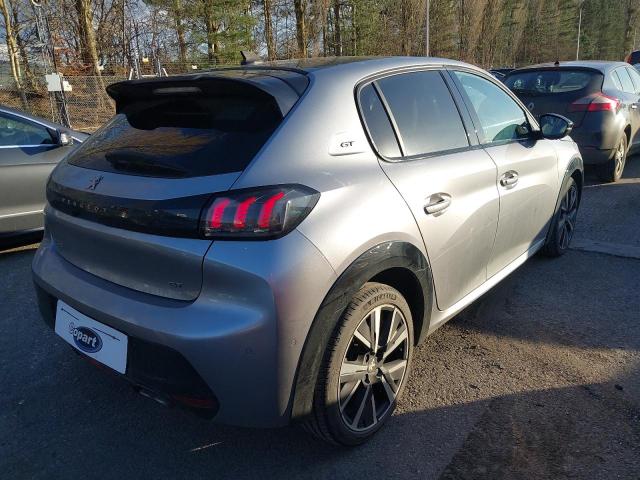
95,182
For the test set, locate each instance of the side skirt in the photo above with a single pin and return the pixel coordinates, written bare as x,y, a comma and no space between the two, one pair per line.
440,317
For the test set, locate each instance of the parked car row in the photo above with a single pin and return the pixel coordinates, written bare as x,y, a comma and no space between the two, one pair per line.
268,244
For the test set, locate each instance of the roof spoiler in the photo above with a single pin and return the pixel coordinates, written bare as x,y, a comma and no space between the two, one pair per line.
203,84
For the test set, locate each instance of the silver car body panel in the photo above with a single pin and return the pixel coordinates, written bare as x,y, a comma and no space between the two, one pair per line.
458,241
160,265
536,193
24,170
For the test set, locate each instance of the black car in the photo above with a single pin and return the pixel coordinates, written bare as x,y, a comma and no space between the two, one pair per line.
600,98
633,58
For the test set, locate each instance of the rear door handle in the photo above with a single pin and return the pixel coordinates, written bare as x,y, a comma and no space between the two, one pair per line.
509,179
438,202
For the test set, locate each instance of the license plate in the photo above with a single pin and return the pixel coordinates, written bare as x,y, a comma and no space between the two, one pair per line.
94,339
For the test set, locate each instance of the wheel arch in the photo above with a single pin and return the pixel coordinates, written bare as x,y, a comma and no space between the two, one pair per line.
627,132
575,170
399,264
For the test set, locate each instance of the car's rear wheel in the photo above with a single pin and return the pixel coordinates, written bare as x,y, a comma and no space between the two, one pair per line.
613,169
564,221
365,368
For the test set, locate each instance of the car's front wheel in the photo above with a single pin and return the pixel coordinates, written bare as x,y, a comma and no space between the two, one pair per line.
365,368
563,223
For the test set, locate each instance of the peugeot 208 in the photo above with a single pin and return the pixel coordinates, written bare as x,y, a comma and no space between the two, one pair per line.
269,243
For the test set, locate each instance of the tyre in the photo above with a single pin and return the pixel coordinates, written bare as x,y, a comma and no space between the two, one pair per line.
613,169
564,221
365,368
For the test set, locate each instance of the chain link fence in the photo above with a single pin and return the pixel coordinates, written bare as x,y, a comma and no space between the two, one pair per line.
88,105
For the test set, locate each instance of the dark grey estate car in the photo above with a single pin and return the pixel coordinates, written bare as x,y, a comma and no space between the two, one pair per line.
602,100
29,149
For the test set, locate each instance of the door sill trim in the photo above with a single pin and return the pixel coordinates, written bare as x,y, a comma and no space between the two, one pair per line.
439,317
20,214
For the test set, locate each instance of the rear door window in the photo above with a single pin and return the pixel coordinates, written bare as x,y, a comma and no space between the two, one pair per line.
616,80
427,118
378,123
500,117
635,77
184,136
625,80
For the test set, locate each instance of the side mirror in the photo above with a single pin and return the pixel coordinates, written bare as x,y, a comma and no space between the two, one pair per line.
64,139
554,126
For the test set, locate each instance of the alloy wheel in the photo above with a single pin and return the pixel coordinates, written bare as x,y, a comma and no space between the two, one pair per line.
620,159
373,368
567,218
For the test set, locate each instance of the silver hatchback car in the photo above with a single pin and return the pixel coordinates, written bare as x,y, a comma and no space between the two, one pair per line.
269,243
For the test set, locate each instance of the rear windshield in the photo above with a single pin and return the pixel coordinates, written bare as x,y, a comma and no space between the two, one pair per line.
184,136
551,81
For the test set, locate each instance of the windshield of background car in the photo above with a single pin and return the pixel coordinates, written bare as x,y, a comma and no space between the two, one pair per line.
545,82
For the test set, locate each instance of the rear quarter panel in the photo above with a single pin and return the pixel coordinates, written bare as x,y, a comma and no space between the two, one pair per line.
359,207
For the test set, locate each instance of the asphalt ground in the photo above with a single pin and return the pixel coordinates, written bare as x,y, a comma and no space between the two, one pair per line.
537,379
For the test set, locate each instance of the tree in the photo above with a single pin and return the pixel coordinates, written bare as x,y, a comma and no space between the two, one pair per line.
87,36
12,44
182,45
337,39
268,30
630,24
300,8
211,28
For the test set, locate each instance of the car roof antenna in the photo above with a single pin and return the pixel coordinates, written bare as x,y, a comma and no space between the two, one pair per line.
249,58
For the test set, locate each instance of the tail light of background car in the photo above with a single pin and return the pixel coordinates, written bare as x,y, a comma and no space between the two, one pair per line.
598,102
260,213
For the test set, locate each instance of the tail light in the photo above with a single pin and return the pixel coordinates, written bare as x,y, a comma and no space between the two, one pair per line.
267,212
598,102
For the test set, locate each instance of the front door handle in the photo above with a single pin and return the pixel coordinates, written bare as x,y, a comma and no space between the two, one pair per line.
509,179
438,202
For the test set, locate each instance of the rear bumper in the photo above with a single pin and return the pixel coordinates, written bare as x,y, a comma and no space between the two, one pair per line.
595,156
238,344
598,135
155,369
